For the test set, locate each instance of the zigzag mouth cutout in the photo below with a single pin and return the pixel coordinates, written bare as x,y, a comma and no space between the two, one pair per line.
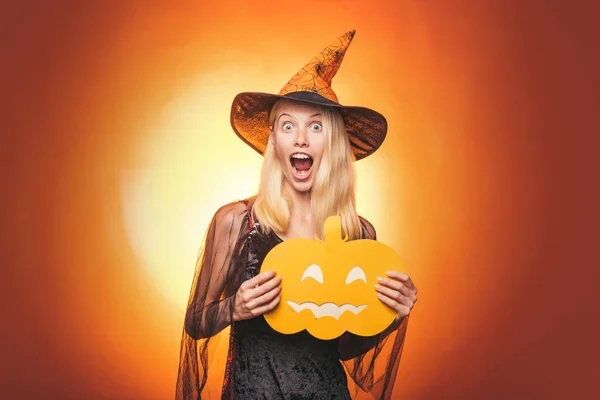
327,309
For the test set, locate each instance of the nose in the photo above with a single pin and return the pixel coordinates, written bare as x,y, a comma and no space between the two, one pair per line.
301,138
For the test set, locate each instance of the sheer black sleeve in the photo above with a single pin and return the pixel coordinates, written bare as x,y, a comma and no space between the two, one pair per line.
372,362
210,306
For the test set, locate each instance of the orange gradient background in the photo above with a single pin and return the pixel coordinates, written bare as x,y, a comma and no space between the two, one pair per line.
117,150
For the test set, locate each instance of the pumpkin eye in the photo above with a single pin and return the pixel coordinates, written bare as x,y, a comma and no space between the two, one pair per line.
356,273
313,271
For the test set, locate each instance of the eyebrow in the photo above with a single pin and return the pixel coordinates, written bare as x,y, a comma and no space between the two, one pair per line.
312,116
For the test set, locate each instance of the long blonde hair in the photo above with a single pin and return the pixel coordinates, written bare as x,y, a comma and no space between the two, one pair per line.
333,188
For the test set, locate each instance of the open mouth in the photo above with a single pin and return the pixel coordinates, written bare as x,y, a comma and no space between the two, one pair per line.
301,165
327,309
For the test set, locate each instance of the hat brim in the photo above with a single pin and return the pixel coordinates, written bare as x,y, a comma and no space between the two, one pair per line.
250,120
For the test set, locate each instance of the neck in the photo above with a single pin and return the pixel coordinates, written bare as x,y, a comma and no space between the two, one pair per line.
300,202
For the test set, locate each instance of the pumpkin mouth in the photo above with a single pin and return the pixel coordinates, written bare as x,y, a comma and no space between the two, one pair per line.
327,309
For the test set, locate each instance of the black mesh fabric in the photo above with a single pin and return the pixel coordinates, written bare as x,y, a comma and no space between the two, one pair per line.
262,363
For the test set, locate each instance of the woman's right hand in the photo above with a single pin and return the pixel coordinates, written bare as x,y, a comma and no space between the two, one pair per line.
257,296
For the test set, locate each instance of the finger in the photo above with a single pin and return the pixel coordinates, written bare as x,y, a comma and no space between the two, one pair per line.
395,295
265,298
267,307
264,288
404,278
258,280
391,283
408,293
399,308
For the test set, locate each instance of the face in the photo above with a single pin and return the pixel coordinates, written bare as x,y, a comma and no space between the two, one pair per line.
298,137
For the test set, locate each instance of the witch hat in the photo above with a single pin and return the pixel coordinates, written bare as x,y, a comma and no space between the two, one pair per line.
311,84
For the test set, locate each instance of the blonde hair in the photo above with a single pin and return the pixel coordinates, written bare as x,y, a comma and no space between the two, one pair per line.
333,189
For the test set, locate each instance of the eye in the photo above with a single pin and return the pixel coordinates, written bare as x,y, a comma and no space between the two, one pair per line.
287,126
313,271
316,126
355,274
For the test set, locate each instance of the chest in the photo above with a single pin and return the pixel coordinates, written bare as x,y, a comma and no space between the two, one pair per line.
299,227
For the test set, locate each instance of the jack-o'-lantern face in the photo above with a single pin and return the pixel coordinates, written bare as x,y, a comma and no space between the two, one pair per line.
328,287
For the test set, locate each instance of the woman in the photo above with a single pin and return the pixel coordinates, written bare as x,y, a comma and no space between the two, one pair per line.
309,142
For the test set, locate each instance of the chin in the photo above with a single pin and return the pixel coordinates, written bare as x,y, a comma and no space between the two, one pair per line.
298,186
302,187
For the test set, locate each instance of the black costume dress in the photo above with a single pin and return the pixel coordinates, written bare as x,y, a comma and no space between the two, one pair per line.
270,365
262,363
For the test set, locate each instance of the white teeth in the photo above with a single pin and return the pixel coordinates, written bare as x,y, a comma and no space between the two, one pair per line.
300,156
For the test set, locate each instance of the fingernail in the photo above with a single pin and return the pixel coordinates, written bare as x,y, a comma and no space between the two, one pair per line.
379,295
377,287
379,279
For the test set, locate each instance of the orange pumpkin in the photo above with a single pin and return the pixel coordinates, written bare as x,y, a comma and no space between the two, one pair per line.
328,286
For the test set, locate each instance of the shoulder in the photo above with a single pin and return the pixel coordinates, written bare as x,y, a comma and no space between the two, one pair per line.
368,228
233,213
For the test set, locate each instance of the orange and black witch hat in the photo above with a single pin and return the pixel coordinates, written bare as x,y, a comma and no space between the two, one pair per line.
312,84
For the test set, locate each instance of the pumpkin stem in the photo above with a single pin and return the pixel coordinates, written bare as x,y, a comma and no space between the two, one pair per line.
333,229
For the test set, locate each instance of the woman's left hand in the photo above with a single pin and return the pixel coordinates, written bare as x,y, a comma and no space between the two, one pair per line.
398,291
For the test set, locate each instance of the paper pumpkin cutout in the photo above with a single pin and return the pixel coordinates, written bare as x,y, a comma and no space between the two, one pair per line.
328,287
